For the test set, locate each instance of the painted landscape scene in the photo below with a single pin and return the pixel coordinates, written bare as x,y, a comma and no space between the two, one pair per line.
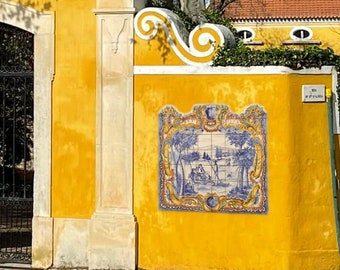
213,159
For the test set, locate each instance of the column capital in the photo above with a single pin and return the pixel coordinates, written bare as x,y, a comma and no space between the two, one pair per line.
120,10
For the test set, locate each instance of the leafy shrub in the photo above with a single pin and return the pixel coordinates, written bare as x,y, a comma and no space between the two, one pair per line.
242,55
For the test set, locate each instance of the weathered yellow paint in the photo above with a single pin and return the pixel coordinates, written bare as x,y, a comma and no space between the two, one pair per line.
299,231
73,106
299,227
155,52
73,139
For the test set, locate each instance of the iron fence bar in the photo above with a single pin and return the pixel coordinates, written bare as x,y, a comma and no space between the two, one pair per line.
13,137
3,140
15,231
24,134
16,74
16,114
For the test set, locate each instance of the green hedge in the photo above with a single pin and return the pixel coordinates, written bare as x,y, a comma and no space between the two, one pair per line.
295,58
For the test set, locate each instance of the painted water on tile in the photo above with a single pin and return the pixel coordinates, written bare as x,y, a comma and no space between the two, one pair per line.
213,159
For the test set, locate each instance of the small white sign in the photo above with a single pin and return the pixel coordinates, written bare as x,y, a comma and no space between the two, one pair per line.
313,93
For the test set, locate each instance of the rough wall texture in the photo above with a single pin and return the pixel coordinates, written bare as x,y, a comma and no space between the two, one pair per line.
298,231
299,226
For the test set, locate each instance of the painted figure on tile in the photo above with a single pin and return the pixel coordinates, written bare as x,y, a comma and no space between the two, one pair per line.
215,169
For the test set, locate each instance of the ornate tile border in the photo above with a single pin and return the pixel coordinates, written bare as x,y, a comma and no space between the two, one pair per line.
213,159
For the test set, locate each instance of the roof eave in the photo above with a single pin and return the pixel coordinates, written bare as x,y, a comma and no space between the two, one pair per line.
285,19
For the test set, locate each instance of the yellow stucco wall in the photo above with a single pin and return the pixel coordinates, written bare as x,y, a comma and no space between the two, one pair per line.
73,106
299,229
155,52
73,102
74,110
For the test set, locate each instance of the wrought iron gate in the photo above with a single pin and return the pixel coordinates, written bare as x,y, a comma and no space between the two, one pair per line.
16,144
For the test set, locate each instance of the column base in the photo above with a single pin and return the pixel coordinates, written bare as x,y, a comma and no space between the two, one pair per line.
42,242
112,241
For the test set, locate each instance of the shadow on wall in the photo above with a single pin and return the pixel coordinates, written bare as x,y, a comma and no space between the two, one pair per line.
21,13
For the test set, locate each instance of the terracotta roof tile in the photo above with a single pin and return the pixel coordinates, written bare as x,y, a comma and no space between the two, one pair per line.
284,9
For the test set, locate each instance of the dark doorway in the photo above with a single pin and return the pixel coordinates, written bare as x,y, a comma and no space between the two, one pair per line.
16,144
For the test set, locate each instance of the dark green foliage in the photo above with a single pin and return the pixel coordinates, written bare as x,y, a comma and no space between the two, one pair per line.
16,121
188,23
242,55
16,95
16,49
161,3
213,16
308,57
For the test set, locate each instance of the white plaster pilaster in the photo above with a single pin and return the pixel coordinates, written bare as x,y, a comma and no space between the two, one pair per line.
114,111
42,229
112,243
42,242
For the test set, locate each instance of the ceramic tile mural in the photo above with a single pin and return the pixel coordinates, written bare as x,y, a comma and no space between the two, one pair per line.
213,159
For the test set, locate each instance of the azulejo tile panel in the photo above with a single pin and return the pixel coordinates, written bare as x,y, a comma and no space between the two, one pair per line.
213,159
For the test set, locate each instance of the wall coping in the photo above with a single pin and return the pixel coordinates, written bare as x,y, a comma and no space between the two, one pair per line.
206,69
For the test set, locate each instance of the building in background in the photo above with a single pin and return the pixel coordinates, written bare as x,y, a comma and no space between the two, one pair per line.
287,23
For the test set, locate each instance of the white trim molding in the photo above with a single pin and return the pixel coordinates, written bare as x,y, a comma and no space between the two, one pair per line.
197,70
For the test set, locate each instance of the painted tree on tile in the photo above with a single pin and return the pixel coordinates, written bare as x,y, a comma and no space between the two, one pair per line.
244,156
181,141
